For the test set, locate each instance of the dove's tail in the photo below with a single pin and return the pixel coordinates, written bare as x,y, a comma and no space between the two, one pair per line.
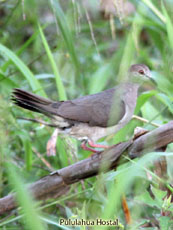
33,102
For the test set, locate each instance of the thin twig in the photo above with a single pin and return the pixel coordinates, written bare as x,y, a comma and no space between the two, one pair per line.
91,29
112,26
45,162
37,121
145,120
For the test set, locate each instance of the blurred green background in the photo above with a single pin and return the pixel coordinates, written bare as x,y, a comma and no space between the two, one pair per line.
66,49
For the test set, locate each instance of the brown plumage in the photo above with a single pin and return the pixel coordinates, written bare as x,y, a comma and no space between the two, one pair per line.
93,116
92,109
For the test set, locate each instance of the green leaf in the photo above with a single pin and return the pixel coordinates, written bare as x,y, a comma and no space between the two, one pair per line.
145,198
166,100
149,111
159,195
165,222
99,79
143,98
163,83
32,80
59,84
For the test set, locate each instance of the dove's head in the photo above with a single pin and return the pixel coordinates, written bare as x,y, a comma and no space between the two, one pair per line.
139,73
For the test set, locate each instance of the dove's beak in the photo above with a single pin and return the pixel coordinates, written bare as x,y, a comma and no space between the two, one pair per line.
152,80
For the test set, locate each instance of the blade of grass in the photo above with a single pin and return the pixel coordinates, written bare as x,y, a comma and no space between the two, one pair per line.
31,217
59,84
127,57
132,43
28,154
55,223
155,10
68,39
64,28
7,83
20,50
169,26
32,80
67,197
8,221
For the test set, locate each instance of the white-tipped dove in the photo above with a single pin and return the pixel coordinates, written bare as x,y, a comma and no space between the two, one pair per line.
90,117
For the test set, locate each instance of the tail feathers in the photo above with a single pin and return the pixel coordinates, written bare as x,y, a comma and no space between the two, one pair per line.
33,102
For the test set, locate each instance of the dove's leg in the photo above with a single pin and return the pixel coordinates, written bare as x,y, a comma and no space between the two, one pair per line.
95,145
85,147
51,144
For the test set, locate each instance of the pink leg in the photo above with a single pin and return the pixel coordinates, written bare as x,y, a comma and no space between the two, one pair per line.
94,145
51,144
83,146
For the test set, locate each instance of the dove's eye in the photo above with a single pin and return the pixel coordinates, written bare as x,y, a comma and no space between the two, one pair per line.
141,71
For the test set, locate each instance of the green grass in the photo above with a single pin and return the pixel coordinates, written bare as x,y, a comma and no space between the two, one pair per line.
29,212
59,84
34,83
52,53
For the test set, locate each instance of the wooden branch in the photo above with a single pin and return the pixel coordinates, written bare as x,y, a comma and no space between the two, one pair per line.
58,183
153,140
